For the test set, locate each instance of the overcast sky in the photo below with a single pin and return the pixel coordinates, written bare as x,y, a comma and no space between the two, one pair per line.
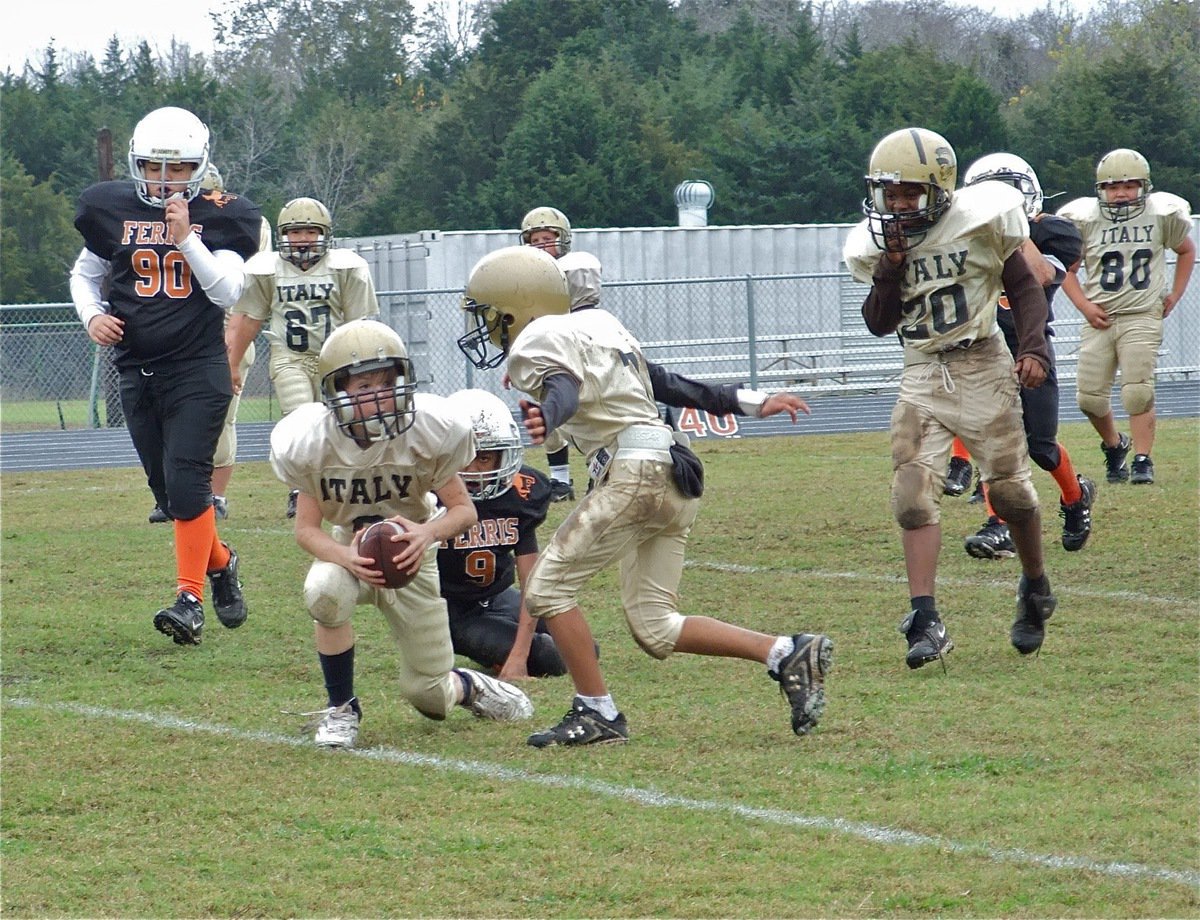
73,26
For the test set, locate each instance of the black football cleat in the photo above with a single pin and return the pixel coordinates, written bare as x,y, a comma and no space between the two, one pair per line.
158,516
582,725
958,477
1143,470
1077,517
1116,470
1033,610
801,677
927,638
992,541
227,593
183,621
561,491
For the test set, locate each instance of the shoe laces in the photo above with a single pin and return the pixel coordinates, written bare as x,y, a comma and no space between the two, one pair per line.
341,713
927,632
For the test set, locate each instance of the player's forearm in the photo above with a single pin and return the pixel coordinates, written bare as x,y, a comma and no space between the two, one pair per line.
221,274
1030,309
883,307
239,333
1183,269
86,283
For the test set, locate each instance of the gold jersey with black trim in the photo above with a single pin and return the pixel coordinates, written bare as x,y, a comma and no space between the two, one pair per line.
300,308
952,277
1125,261
392,477
606,361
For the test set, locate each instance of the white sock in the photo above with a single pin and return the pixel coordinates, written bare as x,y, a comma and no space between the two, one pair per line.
561,474
602,704
783,647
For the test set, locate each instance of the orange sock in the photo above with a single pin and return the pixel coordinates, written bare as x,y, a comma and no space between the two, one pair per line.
1064,475
958,449
196,545
987,503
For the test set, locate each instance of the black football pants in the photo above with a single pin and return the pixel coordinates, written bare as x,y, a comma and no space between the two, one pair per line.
485,633
175,412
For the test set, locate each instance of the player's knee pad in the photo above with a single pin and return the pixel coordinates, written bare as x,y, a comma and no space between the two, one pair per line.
543,600
656,634
1014,499
429,703
330,594
914,503
1047,458
1096,405
226,452
1137,397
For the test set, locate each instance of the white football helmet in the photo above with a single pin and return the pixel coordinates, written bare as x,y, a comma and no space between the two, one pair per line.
168,135
356,347
495,430
507,290
298,213
910,155
1012,170
548,219
1121,165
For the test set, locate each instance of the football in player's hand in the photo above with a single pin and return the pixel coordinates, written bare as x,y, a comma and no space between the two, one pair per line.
376,543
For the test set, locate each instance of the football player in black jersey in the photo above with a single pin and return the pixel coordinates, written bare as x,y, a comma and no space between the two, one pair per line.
1054,243
488,620
173,262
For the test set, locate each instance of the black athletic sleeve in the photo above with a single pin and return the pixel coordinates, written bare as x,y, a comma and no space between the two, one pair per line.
676,390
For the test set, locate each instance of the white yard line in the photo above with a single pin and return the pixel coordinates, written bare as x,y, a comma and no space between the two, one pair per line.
648,798
1009,583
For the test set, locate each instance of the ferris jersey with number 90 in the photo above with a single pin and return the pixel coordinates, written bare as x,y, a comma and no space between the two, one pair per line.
952,278
605,360
310,453
166,313
304,307
1125,260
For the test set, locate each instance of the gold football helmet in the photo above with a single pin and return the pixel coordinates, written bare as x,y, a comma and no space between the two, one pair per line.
1122,165
168,135
357,347
212,180
548,219
909,156
298,213
507,290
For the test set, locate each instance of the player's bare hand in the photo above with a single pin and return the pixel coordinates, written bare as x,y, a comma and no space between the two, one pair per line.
179,223
514,670
1097,317
531,415
1030,372
105,329
1169,302
506,381
412,543
362,567
894,243
235,375
783,402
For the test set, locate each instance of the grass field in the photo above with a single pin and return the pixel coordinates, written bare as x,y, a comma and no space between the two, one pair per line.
145,779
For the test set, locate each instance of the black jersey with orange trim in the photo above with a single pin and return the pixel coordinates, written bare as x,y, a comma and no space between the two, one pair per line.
480,563
167,315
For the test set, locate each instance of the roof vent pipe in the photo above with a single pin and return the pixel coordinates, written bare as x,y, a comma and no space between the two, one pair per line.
693,198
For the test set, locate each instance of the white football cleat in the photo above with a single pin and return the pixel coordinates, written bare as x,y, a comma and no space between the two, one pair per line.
493,699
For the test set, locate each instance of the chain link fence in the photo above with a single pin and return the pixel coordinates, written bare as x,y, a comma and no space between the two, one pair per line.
799,332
